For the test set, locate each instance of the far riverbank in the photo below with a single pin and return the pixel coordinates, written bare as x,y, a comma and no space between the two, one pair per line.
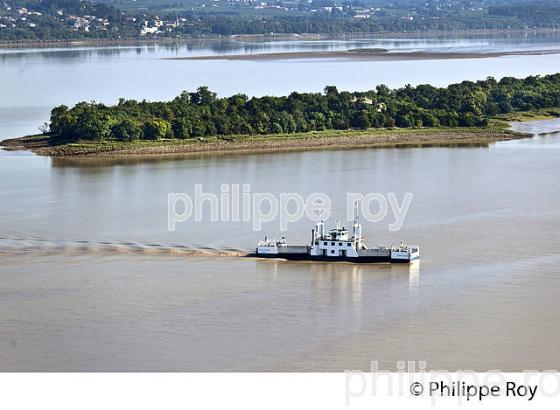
108,42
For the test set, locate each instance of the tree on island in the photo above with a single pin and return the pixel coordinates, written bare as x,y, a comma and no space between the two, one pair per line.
202,113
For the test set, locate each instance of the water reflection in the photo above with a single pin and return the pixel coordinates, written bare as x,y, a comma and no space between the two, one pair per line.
352,287
346,275
357,284
414,274
102,161
70,54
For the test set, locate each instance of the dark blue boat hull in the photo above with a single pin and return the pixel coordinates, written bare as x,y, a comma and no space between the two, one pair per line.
320,258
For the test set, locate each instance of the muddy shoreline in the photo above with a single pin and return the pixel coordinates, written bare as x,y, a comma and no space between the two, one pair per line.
388,139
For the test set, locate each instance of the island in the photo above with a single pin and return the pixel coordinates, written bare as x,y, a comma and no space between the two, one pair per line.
468,112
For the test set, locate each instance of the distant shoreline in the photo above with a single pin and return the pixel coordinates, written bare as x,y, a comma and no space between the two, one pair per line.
21,44
365,55
383,138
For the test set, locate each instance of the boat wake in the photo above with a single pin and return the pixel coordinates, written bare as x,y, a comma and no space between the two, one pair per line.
31,245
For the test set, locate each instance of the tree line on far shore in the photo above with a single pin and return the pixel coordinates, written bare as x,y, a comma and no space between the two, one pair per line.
57,19
201,113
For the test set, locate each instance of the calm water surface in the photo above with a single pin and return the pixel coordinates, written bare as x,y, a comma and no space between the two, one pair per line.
90,278
32,81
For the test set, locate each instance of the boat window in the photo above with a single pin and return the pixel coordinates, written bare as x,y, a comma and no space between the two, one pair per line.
324,243
316,242
348,244
332,243
333,251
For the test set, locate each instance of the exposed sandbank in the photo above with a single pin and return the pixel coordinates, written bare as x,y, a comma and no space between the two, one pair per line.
366,55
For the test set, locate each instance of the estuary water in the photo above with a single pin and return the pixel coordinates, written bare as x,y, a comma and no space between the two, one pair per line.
91,278
32,81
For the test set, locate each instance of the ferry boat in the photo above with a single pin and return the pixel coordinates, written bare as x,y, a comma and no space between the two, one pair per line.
337,246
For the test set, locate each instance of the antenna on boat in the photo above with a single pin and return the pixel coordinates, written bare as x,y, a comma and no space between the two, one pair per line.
357,228
319,230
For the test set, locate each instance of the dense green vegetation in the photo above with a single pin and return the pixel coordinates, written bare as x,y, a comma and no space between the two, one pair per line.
381,16
84,19
202,113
